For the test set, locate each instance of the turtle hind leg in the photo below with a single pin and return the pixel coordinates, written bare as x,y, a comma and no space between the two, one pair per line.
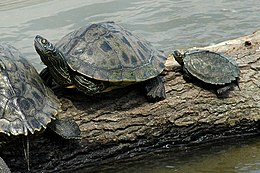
155,89
226,88
66,128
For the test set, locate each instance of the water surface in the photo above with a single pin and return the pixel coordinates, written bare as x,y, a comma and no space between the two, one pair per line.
232,156
168,24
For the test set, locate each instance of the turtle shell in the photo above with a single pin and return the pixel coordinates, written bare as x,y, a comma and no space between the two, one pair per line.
211,67
106,51
26,104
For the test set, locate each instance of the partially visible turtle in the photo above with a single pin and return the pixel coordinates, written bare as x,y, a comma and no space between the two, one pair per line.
209,67
100,57
26,104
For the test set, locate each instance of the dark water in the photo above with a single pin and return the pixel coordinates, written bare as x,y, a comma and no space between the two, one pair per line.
229,156
168,24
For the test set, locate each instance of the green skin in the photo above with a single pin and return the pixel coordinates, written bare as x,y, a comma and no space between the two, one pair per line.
66,77
178,57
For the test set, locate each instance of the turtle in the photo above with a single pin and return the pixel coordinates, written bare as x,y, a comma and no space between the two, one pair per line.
218,70
103,56
26,104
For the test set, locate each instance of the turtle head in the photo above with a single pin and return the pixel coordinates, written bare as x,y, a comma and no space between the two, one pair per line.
178,56
53,59
46,50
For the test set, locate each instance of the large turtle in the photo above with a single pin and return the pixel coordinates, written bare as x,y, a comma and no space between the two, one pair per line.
209,67
103,56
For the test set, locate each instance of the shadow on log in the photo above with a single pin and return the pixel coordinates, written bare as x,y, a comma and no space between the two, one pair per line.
122,124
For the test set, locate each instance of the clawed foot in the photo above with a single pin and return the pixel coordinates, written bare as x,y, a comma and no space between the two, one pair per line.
155,89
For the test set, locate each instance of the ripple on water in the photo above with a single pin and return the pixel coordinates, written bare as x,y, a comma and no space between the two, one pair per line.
167,24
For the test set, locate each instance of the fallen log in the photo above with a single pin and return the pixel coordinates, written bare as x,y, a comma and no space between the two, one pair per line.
122,124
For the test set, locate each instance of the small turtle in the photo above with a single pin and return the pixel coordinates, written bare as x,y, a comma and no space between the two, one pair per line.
209,67
100,57
27,105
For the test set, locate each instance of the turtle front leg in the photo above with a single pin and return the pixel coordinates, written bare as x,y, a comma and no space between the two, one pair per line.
46,77
49,81
155,89
87,86
186,75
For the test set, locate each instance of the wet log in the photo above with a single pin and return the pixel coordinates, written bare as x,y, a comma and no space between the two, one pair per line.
122,124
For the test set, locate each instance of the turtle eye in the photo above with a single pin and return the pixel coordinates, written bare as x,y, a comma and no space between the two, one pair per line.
177,53
44,41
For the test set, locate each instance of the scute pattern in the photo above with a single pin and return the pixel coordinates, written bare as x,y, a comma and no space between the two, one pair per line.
26,104
211,67
106,51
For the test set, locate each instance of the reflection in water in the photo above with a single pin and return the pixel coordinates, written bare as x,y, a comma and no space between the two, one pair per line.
168,24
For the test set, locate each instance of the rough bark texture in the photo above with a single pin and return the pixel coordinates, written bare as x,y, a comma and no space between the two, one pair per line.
123,124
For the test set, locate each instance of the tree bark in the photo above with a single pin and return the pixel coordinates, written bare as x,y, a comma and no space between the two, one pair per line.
122,124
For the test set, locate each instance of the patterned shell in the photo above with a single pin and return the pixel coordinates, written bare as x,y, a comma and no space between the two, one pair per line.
211,67
106,51
26,105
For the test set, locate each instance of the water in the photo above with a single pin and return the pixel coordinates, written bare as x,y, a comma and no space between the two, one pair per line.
168,24
232,156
